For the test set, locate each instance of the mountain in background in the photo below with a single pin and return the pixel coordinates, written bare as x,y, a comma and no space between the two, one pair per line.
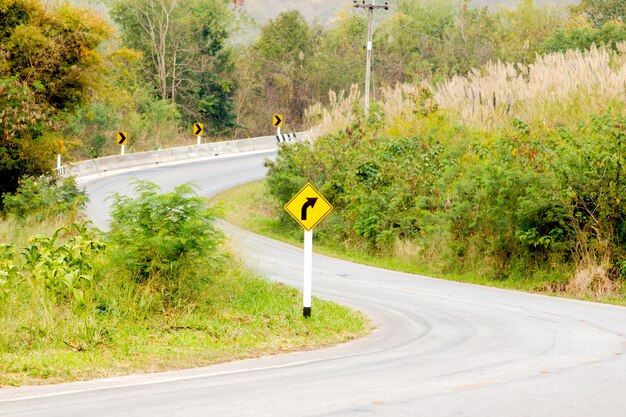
322,11
315,11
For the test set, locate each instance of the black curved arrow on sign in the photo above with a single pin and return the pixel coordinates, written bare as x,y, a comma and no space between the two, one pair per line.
310,202
198,129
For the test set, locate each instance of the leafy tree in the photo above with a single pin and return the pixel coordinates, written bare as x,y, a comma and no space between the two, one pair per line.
562,40
124,100
285,37
48,61
52,50
599,12
525,27
24,118
427,39
413,36
339,56
473,40
282,52
184,53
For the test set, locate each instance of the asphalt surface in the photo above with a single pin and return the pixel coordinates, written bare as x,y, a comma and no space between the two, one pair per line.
440,349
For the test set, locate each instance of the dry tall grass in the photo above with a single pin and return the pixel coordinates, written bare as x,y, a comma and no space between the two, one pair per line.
591,277
556,90
400,105
338,115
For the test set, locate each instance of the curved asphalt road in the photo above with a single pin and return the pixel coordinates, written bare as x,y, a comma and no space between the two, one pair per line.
441,348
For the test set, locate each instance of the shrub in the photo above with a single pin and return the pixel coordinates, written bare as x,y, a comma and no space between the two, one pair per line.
382,188
45,196
610,34
152,234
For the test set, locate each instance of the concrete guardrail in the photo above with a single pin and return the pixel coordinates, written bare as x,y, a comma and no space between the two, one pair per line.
100,166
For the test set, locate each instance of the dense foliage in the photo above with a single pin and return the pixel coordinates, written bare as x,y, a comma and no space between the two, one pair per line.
66,87
528,200
73,288
294,64
184,54
44,197
48,61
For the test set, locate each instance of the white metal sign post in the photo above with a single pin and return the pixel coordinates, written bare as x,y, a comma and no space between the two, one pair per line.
308,207
308,273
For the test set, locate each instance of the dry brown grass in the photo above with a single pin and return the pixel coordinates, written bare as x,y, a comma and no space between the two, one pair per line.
337,115
591,278
556,90
406,250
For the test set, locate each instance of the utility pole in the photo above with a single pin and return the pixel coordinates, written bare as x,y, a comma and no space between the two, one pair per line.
370,7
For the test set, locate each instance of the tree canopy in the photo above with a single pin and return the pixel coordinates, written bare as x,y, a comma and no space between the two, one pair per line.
48,60
600,12
184,53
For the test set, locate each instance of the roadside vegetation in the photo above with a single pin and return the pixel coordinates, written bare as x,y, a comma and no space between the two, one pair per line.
71,77
157,292
513,176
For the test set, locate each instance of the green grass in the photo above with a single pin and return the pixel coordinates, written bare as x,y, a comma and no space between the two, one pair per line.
134,327
256,211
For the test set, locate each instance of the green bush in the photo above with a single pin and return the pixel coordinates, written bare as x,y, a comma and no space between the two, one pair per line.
45,196
610,34
154,234
549,194
383,189
508,204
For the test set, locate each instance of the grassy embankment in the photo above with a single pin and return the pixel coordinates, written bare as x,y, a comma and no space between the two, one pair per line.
256,209
59,327
512,176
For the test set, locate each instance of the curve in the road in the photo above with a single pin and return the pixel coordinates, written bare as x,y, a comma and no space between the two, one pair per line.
440,349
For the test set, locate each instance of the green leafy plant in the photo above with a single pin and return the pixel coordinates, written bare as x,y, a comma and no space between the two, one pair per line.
153,234
67,268
8,269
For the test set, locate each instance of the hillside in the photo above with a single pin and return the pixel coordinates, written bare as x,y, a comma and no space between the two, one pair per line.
323,11
314,10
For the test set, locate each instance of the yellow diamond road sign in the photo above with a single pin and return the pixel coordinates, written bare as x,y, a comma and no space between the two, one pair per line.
308,207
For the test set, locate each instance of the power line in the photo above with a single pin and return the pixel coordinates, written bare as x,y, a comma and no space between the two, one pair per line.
369,7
